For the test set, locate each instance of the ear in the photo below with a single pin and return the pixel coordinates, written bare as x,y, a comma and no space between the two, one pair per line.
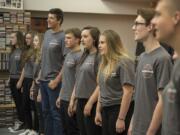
150,27
176,17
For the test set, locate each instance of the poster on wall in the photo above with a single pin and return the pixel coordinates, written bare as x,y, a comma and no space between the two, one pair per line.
11,4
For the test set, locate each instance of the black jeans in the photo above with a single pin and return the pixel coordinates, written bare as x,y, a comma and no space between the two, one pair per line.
29,109
86,124
109,118
40,116
69,123
17,97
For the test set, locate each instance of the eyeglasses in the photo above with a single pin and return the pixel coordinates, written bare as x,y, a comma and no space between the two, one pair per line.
138,24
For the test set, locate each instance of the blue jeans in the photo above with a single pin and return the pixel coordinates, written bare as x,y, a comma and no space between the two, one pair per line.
52,118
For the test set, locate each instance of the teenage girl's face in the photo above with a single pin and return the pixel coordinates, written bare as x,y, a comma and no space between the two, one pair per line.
102,45
86,39
140,29
13,39
70,40
36,42
28,39
164,22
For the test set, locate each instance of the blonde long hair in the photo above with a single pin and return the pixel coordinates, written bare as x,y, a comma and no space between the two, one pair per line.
38,51
115,52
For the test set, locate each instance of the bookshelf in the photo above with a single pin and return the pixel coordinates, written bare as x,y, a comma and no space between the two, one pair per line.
11,4
10,21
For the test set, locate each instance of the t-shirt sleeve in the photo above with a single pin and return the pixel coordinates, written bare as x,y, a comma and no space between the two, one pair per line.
163,72
127,73
64,50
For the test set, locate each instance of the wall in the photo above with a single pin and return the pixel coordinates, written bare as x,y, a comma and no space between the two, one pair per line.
105,14
120,23
87,6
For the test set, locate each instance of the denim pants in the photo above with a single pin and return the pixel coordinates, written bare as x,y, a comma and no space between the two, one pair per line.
52,117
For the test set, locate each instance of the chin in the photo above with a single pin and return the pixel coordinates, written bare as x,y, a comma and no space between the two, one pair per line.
49,26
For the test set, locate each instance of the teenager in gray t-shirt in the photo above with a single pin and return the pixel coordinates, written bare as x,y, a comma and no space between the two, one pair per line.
116,84
85,85
17,43
26,80
53,53
167,24
153,74
72,42
171,104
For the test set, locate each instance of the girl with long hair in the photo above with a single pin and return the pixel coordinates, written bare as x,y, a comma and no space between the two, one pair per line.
116,84
85,86
17,45
35,93
25,81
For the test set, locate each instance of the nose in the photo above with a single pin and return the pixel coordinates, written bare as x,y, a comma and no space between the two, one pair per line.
153,21
99,45
133,27
82,39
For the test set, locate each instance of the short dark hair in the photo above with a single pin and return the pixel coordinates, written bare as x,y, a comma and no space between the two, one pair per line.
175,4
147,14
75,31
59,14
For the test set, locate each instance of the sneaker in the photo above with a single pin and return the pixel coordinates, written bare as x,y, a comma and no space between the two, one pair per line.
32,132
26,132
18,126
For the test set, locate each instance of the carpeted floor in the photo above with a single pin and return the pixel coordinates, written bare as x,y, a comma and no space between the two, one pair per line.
5,131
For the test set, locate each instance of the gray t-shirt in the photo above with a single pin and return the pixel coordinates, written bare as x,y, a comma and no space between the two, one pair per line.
153,73
69,72
28,68
36,70
14,63
111,90
53,53
86,78
171,104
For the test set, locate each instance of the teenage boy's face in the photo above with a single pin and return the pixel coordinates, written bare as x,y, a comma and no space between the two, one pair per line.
163,22
70,40
140,29
52,21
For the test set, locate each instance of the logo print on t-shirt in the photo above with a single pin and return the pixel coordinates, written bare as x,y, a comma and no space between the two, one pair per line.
147,71
171,94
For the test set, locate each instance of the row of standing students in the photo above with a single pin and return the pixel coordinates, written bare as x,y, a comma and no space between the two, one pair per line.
101,101
24,68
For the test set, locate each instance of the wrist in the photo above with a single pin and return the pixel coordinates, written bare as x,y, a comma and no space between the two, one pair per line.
120,118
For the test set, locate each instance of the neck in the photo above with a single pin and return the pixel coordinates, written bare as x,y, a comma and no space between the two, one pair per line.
92,50
56,29
175,42
16,46
76,48
151,44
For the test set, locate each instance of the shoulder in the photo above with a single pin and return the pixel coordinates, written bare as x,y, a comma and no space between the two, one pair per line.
163,55
126,61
